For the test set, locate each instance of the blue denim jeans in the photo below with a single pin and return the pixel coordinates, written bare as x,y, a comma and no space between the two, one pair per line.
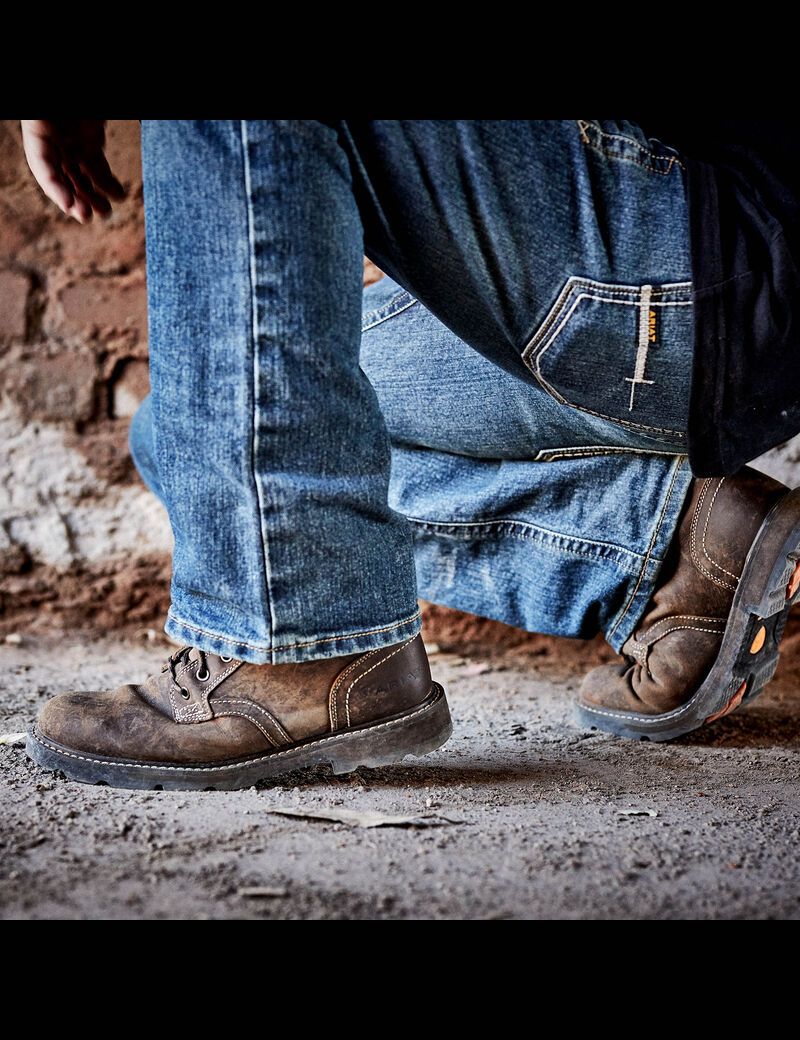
499,425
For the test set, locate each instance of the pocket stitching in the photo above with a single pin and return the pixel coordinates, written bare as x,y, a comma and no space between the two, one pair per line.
387,310
603,294
592,450
672,160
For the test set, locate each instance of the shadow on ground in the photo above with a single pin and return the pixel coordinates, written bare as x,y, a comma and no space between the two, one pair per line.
535,816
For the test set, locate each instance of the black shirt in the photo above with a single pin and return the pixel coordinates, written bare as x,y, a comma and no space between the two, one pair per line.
743,181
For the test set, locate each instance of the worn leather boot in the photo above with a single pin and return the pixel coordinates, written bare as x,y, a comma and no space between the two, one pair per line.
214,722
708,639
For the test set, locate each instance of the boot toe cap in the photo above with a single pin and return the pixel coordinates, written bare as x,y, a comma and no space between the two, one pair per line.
93,721
59,717
607,686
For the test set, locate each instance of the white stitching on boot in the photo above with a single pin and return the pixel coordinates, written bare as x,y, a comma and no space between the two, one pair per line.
705,529
704,570
377,663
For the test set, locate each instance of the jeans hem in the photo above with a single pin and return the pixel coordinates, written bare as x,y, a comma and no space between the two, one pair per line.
627,620
295,652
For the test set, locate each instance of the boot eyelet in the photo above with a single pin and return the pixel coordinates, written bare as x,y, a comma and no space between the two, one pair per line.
185,693
225,659
203,677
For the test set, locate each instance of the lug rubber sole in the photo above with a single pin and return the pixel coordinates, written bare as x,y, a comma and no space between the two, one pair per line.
748,656
424,728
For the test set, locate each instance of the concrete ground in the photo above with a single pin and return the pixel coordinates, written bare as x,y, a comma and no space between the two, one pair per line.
528,815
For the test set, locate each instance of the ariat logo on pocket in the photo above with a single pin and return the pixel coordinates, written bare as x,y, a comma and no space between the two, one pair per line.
646,336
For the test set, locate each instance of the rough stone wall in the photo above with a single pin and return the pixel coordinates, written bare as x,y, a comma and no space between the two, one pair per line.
82,542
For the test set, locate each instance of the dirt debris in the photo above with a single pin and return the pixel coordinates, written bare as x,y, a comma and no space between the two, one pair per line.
547,807
368,819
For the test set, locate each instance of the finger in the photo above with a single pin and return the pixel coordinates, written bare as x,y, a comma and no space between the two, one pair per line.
90,193
96,167
85,191
57,188
80,210
45,165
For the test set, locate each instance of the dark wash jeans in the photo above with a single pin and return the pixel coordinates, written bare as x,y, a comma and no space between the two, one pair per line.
499,425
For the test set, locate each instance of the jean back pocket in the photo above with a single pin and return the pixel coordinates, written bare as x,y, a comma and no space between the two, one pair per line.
619,352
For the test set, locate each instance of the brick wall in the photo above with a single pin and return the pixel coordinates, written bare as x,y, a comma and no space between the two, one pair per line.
82,542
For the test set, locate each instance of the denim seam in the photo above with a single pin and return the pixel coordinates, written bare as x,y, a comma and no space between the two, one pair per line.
534,533
609,290
672,160
606,293
552,547
612,298
388,310
291,646
600,415
682,288
629,159
587,450
650,547
358,162
256,371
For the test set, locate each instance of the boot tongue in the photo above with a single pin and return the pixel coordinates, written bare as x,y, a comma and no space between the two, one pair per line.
193,655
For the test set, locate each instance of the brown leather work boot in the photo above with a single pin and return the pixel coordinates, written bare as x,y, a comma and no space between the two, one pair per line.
215,722
708,640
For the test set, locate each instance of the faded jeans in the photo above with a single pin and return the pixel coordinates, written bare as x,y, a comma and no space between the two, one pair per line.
499,425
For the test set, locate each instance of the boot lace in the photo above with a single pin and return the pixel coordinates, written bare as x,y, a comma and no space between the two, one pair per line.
181,657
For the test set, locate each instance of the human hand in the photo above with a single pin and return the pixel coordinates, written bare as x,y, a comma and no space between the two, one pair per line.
67,159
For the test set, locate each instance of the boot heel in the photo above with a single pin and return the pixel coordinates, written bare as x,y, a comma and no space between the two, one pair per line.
425,730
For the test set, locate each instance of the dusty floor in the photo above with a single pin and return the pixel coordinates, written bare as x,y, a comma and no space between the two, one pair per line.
542,808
